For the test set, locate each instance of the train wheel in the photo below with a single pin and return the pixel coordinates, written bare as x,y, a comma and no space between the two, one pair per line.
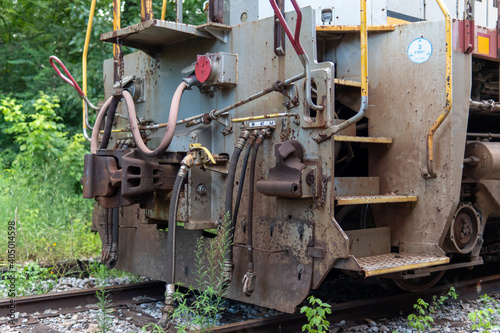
416,284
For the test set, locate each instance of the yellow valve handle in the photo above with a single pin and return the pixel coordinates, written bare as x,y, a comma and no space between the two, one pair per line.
205,150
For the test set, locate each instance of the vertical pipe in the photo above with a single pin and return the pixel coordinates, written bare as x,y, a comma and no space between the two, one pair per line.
84,61
116,48
179,11
146,10
164,10
364,50
430,173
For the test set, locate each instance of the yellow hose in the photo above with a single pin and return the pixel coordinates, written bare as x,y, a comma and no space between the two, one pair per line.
364,50
430,136
84,58
164,10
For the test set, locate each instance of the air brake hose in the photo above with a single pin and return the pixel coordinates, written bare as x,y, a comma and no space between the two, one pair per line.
250,277
172,120
110,118
228,262
186,164
242,181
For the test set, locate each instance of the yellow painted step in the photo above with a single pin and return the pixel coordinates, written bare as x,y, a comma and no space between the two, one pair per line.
347,83
398,262
374,199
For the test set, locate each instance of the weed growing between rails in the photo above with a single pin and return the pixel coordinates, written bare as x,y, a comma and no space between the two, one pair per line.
202,313
422,320
316,315
488,317
31,279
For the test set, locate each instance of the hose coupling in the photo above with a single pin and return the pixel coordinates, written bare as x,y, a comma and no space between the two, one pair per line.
168,309
242,139
191,81
249,283
186,164
228,271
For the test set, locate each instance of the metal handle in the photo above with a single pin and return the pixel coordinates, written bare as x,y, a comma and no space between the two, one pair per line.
294,40
71,81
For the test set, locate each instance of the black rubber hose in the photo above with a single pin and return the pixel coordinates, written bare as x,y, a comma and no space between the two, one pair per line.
229,200
242,182
250,203
114,246
172,224
110,118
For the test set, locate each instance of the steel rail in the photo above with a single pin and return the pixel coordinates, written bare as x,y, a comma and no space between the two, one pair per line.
76,300
372,308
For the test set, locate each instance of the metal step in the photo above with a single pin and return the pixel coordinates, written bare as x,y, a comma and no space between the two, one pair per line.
349,83
374,199
397,262
342,29
362,139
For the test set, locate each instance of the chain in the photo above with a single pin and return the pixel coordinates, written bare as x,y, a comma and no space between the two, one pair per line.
121,64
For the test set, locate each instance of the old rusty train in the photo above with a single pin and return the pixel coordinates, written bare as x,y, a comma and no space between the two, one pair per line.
351,135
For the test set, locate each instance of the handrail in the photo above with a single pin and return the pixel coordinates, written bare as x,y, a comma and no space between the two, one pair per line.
364,81
295,40
84,67
163,10
430,173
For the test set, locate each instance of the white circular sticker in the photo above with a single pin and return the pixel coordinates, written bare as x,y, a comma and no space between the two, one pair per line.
420,50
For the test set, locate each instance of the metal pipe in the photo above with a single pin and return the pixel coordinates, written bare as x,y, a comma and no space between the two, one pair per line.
484,135
265,116
179,11
430,173
146,10
116,47
84,67
164,10
484,106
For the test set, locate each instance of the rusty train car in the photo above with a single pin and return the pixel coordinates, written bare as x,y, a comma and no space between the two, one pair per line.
350,135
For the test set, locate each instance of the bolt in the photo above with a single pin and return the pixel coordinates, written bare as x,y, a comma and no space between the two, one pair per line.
201,190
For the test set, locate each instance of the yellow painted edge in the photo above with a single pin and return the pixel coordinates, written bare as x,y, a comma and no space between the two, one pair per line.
393,20
406,267
483,45
353,28
348,83
345,201
362,139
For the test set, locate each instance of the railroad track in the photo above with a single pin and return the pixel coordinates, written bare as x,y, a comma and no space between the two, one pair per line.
74,301
122,297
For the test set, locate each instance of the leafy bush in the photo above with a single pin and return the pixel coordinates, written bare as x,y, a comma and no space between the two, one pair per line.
316,315
40,189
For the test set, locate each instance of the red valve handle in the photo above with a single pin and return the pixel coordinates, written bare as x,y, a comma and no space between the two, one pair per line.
71,81
294,40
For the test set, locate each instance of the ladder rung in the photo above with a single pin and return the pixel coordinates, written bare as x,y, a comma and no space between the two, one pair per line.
374,199
361,139
348,83
353,28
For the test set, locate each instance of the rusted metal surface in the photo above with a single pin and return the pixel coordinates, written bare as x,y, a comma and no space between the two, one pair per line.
285,179
279,32
216,11
375,199
353,28
356,186
118,178
146,10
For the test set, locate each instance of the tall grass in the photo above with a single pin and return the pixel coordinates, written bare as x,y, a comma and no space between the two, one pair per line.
42,185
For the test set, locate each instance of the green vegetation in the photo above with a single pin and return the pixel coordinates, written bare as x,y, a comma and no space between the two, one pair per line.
422,320
488,317
316,315
41,154
104,314
208,300
30,279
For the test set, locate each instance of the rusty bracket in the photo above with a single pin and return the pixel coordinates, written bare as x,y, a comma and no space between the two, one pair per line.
292,93
316,252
